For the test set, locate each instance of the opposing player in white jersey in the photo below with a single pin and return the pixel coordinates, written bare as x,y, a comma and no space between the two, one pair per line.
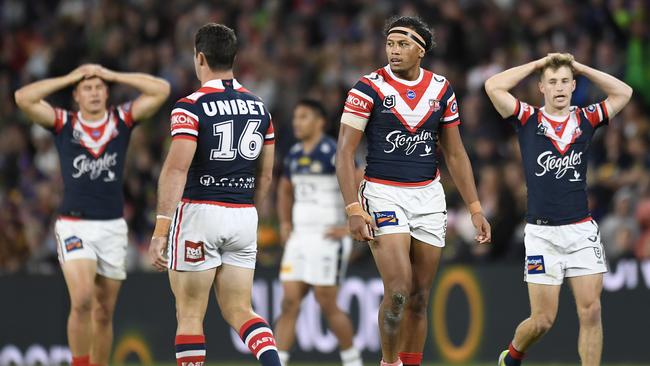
90,231
404,112
312,222
207,194
561,239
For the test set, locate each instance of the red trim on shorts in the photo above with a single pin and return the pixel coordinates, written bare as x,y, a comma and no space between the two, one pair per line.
586,219
178,230
219,203
69,218
401,184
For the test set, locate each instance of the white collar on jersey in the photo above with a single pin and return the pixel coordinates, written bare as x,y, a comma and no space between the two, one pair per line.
92,124
555,117
402,81
218,84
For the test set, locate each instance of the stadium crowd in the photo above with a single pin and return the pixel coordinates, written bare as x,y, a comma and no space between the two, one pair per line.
291,49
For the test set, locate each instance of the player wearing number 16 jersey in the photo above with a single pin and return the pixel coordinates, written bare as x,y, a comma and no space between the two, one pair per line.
210,237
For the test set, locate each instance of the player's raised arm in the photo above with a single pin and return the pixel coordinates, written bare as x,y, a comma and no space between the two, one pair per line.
618,92
498,86
265,175
460,169
170,189
31,98
154,90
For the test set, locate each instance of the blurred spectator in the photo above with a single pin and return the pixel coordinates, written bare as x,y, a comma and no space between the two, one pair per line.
292,49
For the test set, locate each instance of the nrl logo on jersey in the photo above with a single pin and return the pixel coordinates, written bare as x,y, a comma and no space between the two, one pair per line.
559,165
409,143
389,101
95,167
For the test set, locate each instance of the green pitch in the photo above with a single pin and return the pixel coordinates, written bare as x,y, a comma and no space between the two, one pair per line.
426,364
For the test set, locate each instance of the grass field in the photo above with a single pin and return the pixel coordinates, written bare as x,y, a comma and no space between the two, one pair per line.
426,364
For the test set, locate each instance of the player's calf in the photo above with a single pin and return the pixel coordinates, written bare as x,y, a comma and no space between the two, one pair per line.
258,337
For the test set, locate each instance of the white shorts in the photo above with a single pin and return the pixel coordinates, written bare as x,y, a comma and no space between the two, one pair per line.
204,236
314,259
103,241
556,252
420,211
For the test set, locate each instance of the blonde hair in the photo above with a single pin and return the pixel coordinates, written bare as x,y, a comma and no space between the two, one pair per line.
558,60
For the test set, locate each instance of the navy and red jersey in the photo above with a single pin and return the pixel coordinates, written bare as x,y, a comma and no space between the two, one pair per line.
401,120
92,156
555,151
230,126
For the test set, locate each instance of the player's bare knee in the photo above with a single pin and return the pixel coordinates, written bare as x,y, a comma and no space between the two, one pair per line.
394,311
327,301
542,323
590,314
102,315
290,305
81,302
418,303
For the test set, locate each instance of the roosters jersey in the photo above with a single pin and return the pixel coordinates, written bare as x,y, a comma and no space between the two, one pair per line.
92,156
230,126
401,120
555,152
317,200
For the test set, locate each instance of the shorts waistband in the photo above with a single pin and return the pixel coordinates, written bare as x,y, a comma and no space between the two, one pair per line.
549,222
403,184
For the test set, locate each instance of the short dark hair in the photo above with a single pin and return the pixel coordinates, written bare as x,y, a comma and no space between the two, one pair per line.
315,106
219,45
415,23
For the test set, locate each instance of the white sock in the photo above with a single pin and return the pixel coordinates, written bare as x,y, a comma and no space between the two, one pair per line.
351,357
284,357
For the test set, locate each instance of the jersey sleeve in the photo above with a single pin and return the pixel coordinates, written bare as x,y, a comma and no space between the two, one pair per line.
596,114
269,136
125,112
358,106
61,117
523,111
451,116
184,122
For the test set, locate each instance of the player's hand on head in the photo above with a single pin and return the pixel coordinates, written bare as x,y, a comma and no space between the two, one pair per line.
483,229
106,74
156,253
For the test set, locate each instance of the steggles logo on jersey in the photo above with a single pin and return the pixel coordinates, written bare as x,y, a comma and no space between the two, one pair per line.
389,101
95,168
409,143
560,165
